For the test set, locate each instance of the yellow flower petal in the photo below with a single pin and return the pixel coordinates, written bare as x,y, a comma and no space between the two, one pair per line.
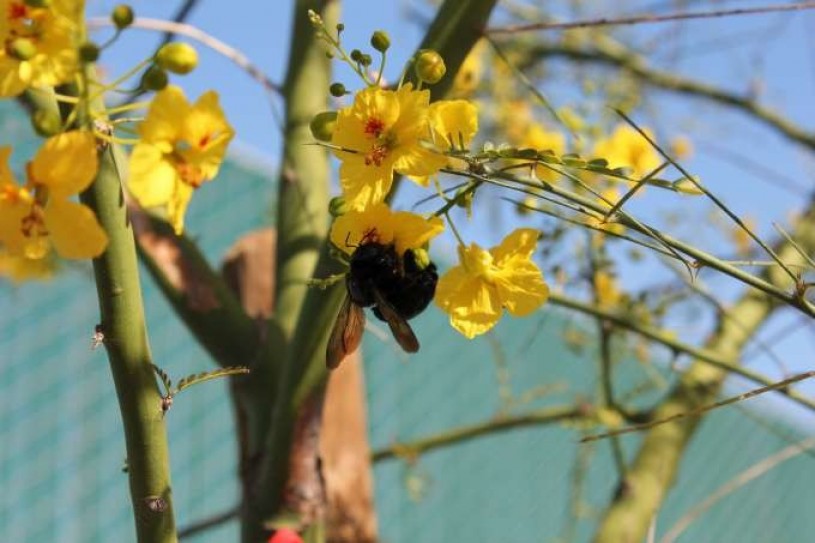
521,242
521,287
14,76
364,185
11,219
177,207
151,179
165,117
473,304
66,163
74,230
379,224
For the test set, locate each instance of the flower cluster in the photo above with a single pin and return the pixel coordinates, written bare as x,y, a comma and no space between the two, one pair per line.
388,132
180,145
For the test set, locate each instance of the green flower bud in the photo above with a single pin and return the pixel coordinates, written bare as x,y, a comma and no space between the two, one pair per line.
177,57
21,49
323,124
89,52
687,186
38,3
366,60
421,258
46,123
122,16
356,55
154,78
337,206
340,27
380,41
429,66
337,90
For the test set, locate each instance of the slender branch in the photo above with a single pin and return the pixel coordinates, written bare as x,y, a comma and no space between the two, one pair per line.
701,410
650,18
195,33
605,50
456,436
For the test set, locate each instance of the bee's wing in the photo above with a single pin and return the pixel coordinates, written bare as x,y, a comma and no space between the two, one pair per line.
401,330
346,334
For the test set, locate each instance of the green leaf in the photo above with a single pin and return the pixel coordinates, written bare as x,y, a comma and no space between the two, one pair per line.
165,379
190,380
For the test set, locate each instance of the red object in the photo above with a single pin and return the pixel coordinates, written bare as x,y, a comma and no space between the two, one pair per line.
285,535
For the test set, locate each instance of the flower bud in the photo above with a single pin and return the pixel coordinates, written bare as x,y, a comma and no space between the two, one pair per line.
21,49
154,78
46,123
380,41
337,90
177,57
89,52
122,16
356,55
337,206
429,66
323,124
366,60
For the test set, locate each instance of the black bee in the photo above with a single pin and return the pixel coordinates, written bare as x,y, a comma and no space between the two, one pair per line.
396,287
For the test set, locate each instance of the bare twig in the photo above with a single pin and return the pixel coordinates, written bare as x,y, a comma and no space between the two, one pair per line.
704,409
649,18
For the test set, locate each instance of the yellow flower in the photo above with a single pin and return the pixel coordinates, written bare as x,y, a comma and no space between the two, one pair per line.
38,215
381,133
379,224
627,148
475,292
39,44
182,146
19,269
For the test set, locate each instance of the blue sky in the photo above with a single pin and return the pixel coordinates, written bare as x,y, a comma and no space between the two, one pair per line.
771,55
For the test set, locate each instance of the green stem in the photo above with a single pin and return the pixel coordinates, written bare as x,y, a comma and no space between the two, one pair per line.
122,321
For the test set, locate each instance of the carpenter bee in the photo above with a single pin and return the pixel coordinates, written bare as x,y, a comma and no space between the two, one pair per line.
396,287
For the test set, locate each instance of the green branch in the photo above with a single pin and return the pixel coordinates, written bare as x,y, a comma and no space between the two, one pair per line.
411,449
122,321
